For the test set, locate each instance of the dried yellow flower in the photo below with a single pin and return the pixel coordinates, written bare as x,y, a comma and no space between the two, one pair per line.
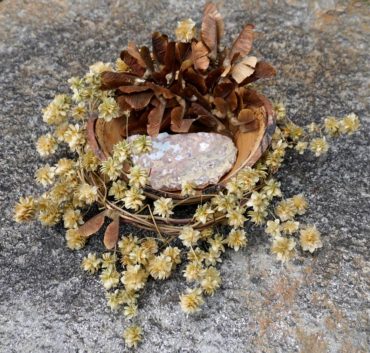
300,204
206,233
74,137
64,166
114,299
236,217
310,239
108,109
235,186
138,177
108,260
174,253
46,145
141,144
99,67
130,310
192,271
285,210
132,336
151,245
89,161
79,111
72,218
211,257
189,236
319,146
57,111
331,125
60,130
191,301
195,254
139,255
202,213
280,111
313,127
293,131
258,201
87,193
91,263
118,189
290,227
163,207
210,280
224,203
110,278
185,30
301,146
236,239
160,266
188,189
257,217
272,189
273,228
283,248
349,124
134,278
25,209
111,168
133,198
50,216
121,151
75,241
45,175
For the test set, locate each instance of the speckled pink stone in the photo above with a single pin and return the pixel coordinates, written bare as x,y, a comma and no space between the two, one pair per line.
201,158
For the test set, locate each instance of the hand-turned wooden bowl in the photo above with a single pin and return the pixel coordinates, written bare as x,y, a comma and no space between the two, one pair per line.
102,136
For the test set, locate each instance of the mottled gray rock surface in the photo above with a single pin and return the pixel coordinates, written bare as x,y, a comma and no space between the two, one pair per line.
317,303
199,158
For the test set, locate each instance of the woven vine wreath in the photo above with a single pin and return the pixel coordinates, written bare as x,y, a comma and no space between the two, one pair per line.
190,85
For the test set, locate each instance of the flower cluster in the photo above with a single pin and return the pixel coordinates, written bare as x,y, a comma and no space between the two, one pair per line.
118,186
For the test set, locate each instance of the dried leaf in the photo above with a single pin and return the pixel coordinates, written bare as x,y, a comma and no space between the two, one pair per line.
251,97
134,52
92,225
155,117
178,123
199,56
112,80
91,138
145,54
195,79
160,91
132,63
243,44
111,234
159,43
133,89
223,89
254,125
246,116
212,29
221,106
138,100
206,118
244,69
213,77
262,70
170,58
183,51
232,100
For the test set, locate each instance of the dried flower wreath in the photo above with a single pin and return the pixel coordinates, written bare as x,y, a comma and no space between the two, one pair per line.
188,85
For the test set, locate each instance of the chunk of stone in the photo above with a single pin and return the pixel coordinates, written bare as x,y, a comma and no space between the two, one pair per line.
201,158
